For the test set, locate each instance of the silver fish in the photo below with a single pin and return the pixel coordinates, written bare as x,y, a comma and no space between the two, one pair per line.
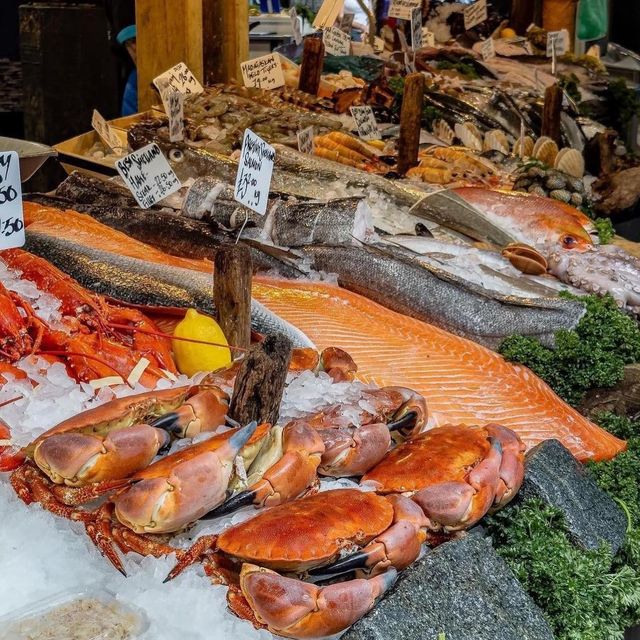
139,282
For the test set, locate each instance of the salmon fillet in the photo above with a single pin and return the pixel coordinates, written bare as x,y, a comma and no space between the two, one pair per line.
463,382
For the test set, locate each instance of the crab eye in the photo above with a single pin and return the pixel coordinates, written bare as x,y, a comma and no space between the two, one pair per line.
176,155
568,242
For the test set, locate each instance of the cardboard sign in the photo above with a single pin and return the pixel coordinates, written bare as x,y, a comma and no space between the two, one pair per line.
255,169
11,215
105,131
179,78
416,29
558,40
264,72
366,123
346,23
328,13
475,14
488,49
173,102
402,9
148,175
336,42
296,26
428,38
305,141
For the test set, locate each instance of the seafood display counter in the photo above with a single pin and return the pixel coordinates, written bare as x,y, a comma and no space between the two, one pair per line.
399,400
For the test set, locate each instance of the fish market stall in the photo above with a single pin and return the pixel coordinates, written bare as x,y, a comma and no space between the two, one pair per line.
339,341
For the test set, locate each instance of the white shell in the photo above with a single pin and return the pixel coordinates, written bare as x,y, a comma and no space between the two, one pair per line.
545,150
527,143
570,161
443,131
496,140
469,135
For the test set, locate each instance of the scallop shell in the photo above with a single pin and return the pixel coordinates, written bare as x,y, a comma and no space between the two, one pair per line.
570,161
527,143
469,135
496,140
545,150
443,131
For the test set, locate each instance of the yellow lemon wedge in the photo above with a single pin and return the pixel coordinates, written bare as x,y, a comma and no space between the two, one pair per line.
192,357
508,33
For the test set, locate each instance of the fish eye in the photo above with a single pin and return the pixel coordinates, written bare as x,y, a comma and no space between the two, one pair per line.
176,155
568,242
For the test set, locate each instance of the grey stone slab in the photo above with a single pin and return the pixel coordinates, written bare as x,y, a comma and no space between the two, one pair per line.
554,476
461,589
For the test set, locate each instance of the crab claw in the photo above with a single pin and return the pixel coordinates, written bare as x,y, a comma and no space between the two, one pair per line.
511,472
296,609
11,457
338,364
202,412
411,417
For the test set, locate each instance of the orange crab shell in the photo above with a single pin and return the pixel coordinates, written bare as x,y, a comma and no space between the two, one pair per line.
308,533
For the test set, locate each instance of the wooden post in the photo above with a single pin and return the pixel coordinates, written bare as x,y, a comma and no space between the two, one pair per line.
410,121
232,292
210,36
259,385
551,113
311,67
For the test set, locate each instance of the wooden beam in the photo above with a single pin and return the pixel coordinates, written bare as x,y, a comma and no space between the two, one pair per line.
410,122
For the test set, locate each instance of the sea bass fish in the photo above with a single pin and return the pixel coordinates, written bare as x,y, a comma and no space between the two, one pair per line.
145,283
463,382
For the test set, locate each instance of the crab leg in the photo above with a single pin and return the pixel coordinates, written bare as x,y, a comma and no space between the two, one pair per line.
303,610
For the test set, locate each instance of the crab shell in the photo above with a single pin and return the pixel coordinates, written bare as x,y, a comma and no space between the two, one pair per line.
455,473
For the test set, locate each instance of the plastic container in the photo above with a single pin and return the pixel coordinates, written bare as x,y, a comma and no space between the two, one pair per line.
92,613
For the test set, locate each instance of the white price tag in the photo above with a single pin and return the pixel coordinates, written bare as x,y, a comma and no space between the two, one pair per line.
402,9
488,49
475,14
366,123
328,13
11,216
105,131
173,102
336,42
559,39
416,29
296,26
264,72
179,78
148,175
428,38
254,173
305,140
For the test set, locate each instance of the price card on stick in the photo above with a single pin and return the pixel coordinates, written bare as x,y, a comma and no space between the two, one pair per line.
255,169
305,140
402,9
336,42
11,216
264,72
488,49
416,29
366,123
105,131
173,102
179,78
475,14
148,175
557,41
328,13
296,26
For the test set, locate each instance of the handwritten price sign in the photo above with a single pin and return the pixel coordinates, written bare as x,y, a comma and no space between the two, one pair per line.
255,169
264,72
179,78
366,123
402,9
336,42
475,14
11,216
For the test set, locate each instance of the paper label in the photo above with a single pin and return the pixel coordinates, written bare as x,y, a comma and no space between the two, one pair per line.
296,26
254,173
416,29
346,23
328,13
366,123
264,72
378,45
428,38
488,49
305,141
402,9
105,131
336,42
179,78
173,102
475,14
561,41
148,175
11,216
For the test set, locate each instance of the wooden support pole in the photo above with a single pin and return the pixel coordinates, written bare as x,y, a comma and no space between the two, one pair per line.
551,113
232,292
259,385
410,122
311,67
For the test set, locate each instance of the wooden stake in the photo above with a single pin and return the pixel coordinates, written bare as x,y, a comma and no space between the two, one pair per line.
232,292
551,113
311,67
259,385
410,121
